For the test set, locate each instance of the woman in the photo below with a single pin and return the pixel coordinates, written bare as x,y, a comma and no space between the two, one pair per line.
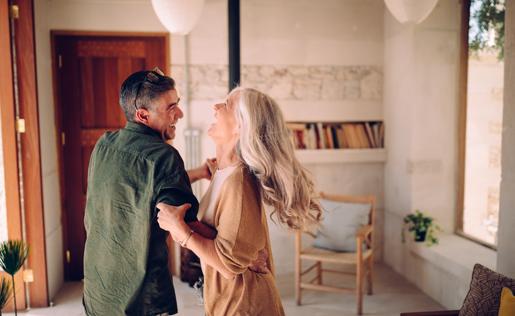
256,162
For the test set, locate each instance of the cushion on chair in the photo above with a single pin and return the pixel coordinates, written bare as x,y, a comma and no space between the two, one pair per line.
507,307
484,296
340,225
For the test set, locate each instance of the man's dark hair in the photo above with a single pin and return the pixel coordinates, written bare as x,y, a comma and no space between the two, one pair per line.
149,91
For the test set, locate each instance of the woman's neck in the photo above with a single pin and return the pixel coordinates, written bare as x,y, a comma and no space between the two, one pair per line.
225,156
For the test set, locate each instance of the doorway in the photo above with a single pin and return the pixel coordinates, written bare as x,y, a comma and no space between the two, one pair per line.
89,69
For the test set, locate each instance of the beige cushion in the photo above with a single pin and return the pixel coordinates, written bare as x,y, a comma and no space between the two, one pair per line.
341,222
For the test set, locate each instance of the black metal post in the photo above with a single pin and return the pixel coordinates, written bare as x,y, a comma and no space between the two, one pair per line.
234,43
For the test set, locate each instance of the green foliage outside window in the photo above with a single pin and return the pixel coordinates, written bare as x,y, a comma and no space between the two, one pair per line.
486,31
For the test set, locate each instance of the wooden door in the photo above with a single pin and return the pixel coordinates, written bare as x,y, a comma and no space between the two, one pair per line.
90,70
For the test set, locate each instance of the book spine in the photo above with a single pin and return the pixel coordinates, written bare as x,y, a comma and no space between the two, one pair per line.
321,136
370,135
329,137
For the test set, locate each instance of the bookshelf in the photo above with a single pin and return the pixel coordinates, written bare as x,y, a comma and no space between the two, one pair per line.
344,135
339,142
336,112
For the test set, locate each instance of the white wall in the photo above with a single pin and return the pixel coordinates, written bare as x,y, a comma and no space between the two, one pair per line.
49,165
421,111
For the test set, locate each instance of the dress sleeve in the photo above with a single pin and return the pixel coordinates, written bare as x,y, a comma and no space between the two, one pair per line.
241,233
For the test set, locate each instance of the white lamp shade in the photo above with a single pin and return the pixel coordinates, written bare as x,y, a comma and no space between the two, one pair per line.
410,11
178,16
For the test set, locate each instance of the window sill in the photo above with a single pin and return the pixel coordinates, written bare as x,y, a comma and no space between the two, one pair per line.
456,255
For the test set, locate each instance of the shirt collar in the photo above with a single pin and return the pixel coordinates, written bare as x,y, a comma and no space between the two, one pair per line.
140,128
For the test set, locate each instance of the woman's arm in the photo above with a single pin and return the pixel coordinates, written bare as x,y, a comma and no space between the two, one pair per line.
203,230
171,218
205,250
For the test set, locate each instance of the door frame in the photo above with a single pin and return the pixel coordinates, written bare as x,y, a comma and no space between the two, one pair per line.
9,146
54,34
24,42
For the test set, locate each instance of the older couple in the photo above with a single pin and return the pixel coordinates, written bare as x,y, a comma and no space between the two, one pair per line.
137,183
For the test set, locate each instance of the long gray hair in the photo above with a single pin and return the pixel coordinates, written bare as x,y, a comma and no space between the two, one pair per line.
266,146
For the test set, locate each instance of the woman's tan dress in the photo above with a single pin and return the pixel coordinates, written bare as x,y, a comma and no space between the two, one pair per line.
240,219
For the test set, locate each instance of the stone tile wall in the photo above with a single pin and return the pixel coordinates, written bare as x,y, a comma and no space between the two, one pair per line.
210,82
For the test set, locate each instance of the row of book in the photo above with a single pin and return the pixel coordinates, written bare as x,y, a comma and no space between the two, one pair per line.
338,135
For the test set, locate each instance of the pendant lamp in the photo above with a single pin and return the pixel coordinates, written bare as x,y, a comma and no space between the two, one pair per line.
410,11
178,16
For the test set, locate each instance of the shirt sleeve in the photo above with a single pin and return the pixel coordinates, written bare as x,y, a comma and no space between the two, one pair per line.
173,185
177,197
241,233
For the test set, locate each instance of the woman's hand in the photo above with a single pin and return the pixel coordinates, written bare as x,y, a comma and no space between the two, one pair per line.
259,265
205,171
211,164
171,218
209,167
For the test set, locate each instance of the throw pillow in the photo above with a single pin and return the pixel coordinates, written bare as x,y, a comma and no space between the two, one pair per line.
340,225
507,303
484,296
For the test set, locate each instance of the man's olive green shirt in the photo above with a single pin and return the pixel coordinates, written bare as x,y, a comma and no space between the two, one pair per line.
126,255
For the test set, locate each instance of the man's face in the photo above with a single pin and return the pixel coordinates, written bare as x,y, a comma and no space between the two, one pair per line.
166,114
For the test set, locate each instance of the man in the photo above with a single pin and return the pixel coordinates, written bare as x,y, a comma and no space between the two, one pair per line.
130,171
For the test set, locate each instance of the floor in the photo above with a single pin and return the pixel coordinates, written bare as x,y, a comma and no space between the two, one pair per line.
392,295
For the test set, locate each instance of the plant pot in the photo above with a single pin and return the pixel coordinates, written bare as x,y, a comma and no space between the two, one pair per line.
420,236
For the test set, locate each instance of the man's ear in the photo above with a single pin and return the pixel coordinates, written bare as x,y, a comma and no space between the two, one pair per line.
142,116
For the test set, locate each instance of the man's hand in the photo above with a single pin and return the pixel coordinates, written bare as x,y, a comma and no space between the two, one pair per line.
259,265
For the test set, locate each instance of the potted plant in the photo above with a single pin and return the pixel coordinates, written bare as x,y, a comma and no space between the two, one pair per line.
422,227
5,293
13,254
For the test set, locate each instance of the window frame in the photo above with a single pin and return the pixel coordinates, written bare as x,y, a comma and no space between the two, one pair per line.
462,121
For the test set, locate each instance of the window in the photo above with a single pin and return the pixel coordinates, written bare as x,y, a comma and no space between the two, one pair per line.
481,122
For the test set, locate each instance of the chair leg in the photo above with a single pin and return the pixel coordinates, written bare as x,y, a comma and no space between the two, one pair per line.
297,287
298,268
370,276
319,272
359,275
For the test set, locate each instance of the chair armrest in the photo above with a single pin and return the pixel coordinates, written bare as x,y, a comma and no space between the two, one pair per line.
363,231
435,313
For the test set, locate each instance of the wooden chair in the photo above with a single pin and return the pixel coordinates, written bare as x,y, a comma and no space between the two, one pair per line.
364,234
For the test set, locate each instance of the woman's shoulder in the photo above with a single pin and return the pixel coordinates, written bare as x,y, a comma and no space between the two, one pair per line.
241,179
240,175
